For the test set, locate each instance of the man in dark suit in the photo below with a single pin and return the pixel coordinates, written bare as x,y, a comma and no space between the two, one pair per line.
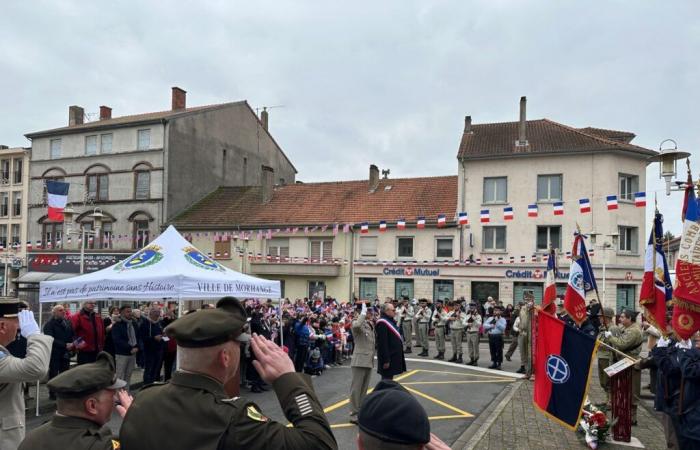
390,359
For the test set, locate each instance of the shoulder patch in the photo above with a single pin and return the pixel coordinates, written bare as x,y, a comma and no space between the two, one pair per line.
116,445
253,413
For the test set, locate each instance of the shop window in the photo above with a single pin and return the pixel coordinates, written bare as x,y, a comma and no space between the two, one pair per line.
317,290
443,290
368,289
403,288
481,290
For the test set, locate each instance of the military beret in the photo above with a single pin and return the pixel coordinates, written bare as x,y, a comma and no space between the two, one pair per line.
209,327
10,307
390,413
87,378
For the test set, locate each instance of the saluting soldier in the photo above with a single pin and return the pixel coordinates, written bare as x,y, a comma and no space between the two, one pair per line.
209,357
458,322
405,315
423,322
85,401
439,320
472,330
362,359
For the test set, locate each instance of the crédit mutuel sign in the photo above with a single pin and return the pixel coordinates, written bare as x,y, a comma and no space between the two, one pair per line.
411,272
536,274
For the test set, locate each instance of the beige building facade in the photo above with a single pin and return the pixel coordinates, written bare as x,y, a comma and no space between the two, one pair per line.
14,188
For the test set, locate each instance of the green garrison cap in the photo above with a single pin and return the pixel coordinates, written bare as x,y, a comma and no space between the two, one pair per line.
87,378
10,307
209,327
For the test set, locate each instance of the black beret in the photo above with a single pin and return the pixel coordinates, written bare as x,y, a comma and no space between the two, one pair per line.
209,327
86,379
390,413
10,307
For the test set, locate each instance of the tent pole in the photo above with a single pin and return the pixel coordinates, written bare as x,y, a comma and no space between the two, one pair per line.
281,325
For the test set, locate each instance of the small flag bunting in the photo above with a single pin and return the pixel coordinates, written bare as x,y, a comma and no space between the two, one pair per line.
611,201
640,199
441,220
485,216
382,226
558,208
420,223
584,205
401,224
532,210
364,228
508,213
463,218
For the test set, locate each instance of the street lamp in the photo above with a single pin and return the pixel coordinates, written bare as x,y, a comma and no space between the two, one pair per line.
604,246
667,159
97,218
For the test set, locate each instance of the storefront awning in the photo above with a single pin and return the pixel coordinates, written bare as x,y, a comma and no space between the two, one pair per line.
37,277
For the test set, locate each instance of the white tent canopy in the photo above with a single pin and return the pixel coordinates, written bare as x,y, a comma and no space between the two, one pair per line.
169,267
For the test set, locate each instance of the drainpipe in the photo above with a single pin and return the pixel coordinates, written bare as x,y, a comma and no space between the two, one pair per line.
462,208
351,263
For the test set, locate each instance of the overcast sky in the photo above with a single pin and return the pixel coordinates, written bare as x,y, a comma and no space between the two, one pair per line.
384,82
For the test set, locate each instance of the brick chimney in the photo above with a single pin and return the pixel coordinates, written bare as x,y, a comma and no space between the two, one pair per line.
105,112
267,182
264,118
467,124
179,98
522,126
75,115
373,177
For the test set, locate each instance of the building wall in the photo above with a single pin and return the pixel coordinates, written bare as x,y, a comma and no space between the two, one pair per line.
9,253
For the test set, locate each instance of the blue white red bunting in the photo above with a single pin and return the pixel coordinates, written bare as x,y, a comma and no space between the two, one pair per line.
508,213
640,199
584,205
485,216
558,208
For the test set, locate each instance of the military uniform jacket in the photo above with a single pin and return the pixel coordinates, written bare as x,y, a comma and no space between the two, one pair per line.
524,315
13,372
460,321
629,341
423,315
404,313
363,335
192,411
439,318
474,325
63,433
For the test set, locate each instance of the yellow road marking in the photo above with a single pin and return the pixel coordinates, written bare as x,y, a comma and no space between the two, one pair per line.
440,402
406,375
456,416
495,380
342,403
459,373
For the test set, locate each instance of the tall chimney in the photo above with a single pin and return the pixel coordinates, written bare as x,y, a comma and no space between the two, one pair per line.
373,177
267,181
522,137
179,98
264,118
105,112
467,124
75,115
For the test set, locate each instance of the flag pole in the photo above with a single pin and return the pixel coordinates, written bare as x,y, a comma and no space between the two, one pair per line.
617,351
590,273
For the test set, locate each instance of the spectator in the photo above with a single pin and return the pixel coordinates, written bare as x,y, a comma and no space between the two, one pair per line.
61,330
126,344
151,331
108,322
495,326
89,328
138,320
170,352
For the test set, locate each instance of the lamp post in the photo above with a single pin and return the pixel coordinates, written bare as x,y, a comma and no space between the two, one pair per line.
97,218
607,245
667,159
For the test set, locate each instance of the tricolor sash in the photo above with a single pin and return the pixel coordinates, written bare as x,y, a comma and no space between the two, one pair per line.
391,327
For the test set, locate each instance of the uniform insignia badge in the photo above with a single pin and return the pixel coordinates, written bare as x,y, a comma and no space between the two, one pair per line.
256,415
116,445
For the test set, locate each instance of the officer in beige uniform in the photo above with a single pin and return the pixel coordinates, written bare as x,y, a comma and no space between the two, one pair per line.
458,322
472,331
362,359
192,411
439,320
404,316
15,371
423,322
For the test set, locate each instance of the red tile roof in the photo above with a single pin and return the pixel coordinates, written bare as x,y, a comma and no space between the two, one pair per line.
615,135
543,136
325,203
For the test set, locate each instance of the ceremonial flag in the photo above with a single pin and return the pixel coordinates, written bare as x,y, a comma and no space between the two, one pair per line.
420,223
441,220
611,200
558,208
581,280
401,224
584,205
532,210
364,228
550,284
463,219
382,226
640,199
508,213
562,366
485,217
57,192
656,288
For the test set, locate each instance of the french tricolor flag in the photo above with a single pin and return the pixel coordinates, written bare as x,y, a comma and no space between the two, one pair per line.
611,200
508,213
640,199
558,208
420,223
441,220
382,226
57,198
463,218
401,224
485,216
364,228
532,210
584,205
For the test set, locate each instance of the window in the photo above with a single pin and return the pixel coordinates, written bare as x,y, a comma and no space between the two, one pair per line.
626,298
55,148
5,171
91,145
51,232
494,239
222,249
4,204
98,187
368,247
106,235
16,204
278,247
443,247
142,185
141,233
16,236
443,290
106,143
629,184
368,288
3,236
317,290
549,188
18,162
403,288
321,250
547,235
496,190
628,239
404,246
144,140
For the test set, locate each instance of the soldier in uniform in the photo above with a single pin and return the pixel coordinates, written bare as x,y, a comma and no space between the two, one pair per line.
86,399
525,318
209,357
457,321
472,331
15,371
362,359
405,314
423,322
439,320
605,356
